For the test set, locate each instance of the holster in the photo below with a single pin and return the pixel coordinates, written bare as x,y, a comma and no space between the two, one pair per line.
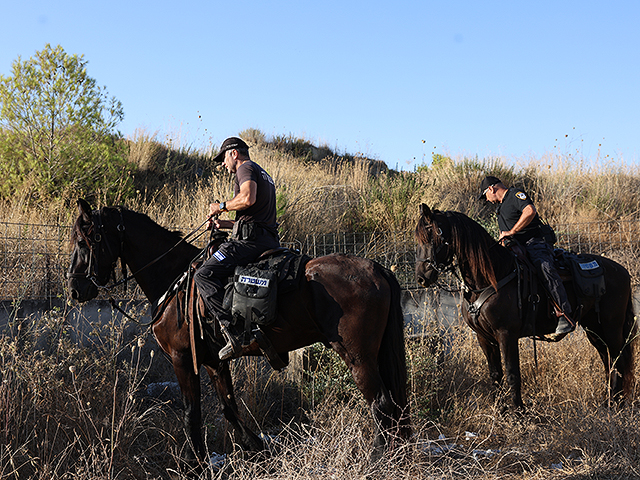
243,230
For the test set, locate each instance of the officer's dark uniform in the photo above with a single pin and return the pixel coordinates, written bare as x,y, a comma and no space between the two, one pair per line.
255,231
540,252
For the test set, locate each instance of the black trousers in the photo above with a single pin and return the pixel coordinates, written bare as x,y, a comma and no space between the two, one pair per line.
211,278
541,255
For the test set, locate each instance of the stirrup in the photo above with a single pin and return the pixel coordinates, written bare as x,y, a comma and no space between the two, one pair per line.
232,348
564,327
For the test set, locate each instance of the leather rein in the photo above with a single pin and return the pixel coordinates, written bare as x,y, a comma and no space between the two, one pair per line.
97,228
448,265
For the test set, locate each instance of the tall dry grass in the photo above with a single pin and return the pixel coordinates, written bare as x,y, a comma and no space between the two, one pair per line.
69,412
97,421
316,194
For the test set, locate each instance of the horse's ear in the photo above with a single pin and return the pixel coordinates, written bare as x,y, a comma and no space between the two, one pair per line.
425,211
84,209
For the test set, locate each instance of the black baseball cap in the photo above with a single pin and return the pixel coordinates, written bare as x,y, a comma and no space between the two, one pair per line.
230,144
486,183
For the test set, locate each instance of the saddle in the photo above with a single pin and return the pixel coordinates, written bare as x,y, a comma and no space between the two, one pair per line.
251,296
586,276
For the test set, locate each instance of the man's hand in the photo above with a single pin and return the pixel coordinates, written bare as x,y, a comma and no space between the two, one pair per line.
214,209
504,235
223,224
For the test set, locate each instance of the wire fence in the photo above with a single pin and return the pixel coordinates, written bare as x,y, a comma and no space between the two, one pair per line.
34,258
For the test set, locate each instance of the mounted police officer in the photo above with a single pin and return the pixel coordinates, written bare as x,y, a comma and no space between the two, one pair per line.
518,219
254,231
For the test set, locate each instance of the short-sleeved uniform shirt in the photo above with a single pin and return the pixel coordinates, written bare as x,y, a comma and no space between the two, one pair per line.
263,211
510,211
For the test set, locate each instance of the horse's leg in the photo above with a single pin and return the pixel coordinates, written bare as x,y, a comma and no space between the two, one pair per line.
173,337
609,344
494,360
222,382
190,387
613,330
511,354
368,380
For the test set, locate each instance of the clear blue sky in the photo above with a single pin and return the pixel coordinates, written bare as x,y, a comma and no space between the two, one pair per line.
393,80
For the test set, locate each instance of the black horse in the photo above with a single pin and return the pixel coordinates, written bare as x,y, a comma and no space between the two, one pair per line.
349,303
488,271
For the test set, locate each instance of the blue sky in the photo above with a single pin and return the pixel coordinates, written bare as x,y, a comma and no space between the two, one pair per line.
395,81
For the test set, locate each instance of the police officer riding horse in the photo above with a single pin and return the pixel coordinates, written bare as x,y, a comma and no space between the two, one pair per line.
254,232
518,220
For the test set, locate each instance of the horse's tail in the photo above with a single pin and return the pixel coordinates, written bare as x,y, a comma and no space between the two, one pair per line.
627,356
392,363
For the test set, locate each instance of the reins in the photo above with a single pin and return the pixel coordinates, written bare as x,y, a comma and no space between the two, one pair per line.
157,259
99,234
153,317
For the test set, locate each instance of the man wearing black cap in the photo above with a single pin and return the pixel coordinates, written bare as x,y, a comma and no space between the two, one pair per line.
254,231
518,219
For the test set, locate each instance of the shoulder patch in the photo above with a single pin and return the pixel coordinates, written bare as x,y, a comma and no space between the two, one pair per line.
521,195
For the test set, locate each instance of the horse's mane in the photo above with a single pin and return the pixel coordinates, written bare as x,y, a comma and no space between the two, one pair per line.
471,243
138,218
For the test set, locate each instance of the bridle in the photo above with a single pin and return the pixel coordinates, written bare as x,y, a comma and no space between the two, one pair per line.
97,234
433,262
449,265
444,265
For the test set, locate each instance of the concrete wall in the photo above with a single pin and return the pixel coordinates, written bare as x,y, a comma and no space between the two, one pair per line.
93,324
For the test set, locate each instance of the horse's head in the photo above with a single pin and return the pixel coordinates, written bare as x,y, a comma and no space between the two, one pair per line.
434,252
96,249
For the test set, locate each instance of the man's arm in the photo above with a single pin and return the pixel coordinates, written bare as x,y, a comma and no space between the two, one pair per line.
528,213
244,199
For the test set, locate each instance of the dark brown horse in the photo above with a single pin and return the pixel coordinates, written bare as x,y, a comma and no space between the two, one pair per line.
348,303
448,240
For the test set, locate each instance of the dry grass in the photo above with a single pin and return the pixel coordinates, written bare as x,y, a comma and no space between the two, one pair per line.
175,184
97,421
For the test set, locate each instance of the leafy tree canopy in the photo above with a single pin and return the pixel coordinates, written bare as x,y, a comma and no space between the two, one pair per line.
57,130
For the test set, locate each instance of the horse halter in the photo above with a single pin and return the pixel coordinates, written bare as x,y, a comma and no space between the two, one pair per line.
97,228
439,266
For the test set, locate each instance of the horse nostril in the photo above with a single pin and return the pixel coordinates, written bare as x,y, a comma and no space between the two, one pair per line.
74,294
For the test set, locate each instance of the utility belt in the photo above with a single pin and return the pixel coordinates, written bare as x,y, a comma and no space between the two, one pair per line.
246,230
543,232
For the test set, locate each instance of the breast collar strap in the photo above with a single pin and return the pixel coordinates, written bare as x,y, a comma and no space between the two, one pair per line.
485,294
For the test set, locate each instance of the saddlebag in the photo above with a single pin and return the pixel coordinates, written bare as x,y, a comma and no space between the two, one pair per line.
255,292
588,276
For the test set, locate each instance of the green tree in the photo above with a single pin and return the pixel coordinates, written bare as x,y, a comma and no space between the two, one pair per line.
57,129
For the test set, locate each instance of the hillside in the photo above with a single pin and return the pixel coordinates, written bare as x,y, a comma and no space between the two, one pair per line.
322,191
